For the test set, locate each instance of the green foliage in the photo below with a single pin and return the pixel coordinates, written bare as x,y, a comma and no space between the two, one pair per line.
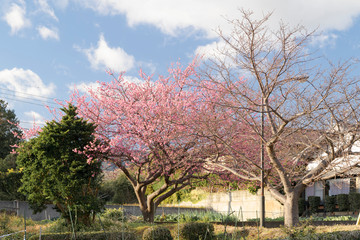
354,200
253,187
119,191
197,231
100,224
186,195
194,216
339,218
314,203
299,232
114,214
9,176
10,182
87,236
302,206
278,219
330,203
157,233
343,202
54,173
8,126
4,224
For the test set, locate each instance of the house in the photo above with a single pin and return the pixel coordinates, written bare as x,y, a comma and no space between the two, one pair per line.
342,176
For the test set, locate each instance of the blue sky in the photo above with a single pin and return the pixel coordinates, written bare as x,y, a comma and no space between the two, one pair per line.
49,46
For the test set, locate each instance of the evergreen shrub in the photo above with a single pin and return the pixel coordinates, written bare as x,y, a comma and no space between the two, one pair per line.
157,233
196,231
343,202
302,206
354,200
314,203
330,203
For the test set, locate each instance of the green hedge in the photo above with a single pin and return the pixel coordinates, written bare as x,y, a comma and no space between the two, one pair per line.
343,202
197,231
314,203
354,200
157,233
330,203
86,236
302,206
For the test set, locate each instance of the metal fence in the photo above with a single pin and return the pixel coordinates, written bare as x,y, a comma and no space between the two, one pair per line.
21,208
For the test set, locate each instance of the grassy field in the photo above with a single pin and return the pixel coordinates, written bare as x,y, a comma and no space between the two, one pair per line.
10,224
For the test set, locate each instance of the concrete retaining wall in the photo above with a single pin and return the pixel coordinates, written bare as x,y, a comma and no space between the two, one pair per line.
241,203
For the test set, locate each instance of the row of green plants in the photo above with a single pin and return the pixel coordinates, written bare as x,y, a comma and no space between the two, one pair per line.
341,202
194,216
209,216
312,218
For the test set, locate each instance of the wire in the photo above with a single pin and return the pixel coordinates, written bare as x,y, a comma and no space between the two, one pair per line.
29,94
12,97
34,103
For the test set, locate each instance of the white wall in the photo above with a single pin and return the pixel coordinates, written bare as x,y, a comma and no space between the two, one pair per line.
239,202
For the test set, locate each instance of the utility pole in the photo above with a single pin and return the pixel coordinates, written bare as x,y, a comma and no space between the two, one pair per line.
262,153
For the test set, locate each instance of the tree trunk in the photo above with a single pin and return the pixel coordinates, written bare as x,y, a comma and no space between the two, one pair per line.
147,207
291,209
148,215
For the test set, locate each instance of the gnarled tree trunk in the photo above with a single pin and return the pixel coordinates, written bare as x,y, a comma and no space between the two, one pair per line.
291,206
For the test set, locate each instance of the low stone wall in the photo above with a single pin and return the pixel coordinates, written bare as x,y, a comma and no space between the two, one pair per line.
22,208
241,203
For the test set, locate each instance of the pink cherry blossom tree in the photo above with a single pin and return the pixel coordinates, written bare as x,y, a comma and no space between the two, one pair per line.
145,126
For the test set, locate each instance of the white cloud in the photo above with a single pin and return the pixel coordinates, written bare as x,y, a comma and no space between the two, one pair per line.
84,87
210,50
15,17
35,118
47,33
44,8
133,79
104,57
25,82
62,4
206,15
324,40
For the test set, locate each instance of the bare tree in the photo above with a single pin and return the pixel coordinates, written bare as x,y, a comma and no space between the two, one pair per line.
311,113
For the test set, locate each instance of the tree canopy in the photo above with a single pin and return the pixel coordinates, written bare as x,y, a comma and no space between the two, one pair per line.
144,124
58,168
299,110
8,126
9,174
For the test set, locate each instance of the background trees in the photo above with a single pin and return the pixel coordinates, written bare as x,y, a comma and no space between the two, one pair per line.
58,168
9,175
145,126
310,113
8,125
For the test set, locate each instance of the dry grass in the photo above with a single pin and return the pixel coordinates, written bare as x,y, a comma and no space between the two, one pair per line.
271,233
17,224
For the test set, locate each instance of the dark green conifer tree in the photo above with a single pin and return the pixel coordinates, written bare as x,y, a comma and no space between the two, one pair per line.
54,172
